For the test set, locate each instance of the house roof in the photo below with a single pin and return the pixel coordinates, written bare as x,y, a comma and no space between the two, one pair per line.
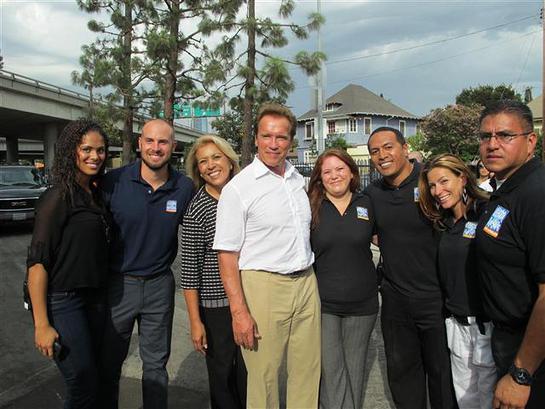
358,100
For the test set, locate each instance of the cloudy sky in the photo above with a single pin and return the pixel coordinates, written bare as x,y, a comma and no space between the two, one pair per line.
418,53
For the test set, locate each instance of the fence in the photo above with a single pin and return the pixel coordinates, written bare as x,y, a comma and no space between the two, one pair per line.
368,173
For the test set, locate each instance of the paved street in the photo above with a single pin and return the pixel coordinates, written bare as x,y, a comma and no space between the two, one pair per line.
29,381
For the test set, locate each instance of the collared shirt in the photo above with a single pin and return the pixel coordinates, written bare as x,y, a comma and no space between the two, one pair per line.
265,217
145,221
406,237
510,240
347,280
457,262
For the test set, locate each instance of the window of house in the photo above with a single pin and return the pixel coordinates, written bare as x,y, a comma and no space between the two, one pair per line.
352,125
309,130
332,106
330,127
402,127
367,126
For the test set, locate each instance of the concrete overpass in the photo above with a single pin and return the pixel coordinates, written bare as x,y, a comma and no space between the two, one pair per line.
34,110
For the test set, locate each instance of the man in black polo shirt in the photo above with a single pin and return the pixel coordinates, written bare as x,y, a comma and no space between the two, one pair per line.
510,242
412,319
147,200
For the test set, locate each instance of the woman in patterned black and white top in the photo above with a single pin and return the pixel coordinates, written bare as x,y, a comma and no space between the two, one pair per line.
211,163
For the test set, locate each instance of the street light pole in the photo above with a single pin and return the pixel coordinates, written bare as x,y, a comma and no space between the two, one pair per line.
320,143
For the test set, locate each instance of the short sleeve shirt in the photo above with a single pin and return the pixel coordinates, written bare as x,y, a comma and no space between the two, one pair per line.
347,280
510,243
406,237
146,222
266,218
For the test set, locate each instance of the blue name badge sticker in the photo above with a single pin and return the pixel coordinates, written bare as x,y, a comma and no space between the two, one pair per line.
171,206
493,225
469,230
362,213
416,194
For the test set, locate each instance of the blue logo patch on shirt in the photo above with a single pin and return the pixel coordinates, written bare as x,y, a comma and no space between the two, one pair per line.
469,230
416,194
362,212
493,225
171,206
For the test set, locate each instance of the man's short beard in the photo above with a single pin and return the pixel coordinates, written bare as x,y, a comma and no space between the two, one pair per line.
153,166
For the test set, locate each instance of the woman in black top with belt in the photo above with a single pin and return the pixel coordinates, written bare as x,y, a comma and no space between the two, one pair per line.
67,261
347,281
451,199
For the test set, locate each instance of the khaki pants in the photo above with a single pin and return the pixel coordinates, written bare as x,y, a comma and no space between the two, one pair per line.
287,312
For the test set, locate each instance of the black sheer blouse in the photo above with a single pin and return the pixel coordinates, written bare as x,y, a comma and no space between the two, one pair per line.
70,239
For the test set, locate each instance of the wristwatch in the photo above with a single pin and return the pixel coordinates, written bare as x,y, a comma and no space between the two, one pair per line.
520,375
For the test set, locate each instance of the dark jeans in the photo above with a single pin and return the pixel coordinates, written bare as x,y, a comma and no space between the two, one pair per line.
150,303
226,370
416,351
78,317
505,345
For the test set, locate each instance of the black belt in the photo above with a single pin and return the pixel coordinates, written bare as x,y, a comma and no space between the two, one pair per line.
145,277
462,319
292,274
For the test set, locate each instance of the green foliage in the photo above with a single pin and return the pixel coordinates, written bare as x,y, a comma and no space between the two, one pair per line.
417,142
484,94
230,127
452,129
336,142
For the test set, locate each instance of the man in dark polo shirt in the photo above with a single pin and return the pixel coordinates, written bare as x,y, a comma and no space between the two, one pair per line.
147,200
412,307
510,242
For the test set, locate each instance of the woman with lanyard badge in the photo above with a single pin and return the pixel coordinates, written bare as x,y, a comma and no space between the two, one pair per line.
211,163
68,262
341,236
451,199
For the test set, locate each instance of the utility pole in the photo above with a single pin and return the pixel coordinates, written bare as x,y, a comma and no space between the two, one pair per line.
543,83
320,143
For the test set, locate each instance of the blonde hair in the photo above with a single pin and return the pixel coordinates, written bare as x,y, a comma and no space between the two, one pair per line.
429,205
192,167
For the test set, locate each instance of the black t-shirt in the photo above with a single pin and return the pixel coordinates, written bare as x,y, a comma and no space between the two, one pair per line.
511,246
344,267
457,262
406,237
70,239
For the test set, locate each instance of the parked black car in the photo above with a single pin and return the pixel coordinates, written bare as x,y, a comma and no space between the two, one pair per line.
20,188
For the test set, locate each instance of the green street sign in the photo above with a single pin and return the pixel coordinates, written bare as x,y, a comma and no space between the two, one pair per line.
205,112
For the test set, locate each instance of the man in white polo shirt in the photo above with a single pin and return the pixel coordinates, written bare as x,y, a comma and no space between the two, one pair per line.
262,235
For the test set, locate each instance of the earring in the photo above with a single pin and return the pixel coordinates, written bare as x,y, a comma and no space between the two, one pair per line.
437,205
465,196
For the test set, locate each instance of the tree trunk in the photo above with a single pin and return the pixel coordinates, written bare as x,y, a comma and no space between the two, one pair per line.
172,63
249,94
126,87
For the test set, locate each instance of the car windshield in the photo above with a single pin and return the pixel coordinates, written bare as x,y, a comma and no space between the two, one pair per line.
19,177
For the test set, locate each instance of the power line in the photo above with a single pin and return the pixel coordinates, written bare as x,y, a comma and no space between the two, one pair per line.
428,62
444,40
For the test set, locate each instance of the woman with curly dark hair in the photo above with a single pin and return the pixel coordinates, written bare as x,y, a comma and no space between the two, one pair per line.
67,261
452,200
342,228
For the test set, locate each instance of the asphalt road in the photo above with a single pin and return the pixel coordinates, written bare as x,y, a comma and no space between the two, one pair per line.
28,381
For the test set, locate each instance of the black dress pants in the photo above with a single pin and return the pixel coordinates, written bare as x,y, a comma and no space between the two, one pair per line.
505,345
416,351
226,370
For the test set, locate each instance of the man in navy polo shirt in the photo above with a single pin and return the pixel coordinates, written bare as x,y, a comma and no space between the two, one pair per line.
147,200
